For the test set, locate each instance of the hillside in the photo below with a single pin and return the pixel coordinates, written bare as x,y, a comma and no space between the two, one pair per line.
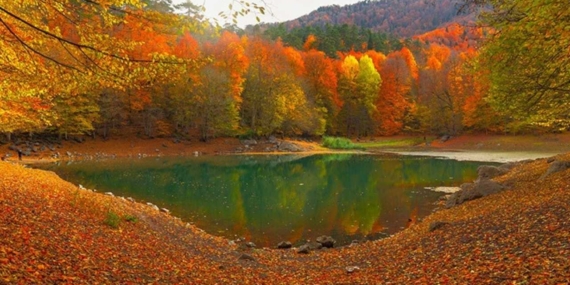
404,18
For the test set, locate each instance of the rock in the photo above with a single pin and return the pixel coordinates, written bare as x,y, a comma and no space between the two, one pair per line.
290,147
472,191
109,194
326,241
68,153
444,189
250,244
51,147
246,257
13,147
130,199
437,225
78,139
352,269
556,166
164,210
153,206
249,142
164,145
509,166
314,245
304,249
284,245
445,138
551,160
489,172
272,139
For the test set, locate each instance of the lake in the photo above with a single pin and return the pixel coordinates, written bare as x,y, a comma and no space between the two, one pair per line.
268,199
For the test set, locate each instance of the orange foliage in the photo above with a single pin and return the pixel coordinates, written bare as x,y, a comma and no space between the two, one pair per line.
229,54
146,34
322,76
392,103
411,62
310,43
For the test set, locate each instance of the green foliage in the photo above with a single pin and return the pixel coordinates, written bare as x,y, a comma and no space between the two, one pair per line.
112,220
130,218
332,39
528,62
340,143
405,142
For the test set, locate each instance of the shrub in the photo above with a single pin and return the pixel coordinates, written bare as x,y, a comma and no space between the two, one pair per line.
339,143
112,220
130,218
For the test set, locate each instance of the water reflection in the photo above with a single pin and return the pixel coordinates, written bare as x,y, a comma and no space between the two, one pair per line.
275,198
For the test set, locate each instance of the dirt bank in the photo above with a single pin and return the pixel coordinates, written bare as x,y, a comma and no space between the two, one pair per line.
137,147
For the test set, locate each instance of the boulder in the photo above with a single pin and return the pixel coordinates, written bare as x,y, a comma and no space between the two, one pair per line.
284,245
472,191
304,249
326,241
487,172
314,245
246,257
556,166
249,142
437,225
445,138
290,147
250,244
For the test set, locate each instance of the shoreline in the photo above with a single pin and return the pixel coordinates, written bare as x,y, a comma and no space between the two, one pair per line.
494,156
181,246
466,147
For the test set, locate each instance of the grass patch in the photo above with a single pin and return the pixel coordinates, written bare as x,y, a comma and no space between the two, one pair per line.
405,142
340,143
130,218
112,220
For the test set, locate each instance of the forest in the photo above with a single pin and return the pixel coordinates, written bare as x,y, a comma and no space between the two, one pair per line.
129,67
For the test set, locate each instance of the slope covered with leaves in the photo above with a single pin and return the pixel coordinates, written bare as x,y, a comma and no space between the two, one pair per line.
53,232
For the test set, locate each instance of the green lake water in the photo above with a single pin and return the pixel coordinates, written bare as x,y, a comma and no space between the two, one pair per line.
268,199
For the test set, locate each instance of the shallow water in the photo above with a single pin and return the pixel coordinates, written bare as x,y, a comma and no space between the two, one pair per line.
268,199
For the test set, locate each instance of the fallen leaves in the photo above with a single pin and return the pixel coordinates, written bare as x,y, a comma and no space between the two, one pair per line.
53,232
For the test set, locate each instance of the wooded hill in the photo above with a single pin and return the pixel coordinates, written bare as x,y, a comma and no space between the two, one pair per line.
400,18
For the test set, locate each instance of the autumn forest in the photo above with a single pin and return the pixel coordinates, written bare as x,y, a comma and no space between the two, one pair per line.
143,67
